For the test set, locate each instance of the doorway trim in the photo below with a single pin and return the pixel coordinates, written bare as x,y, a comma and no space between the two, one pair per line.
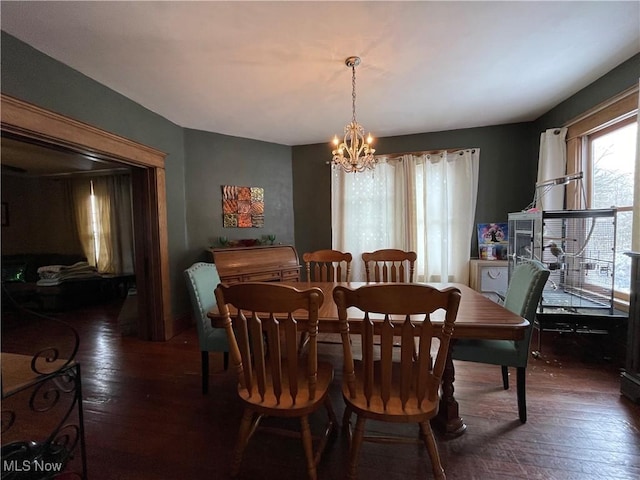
149,198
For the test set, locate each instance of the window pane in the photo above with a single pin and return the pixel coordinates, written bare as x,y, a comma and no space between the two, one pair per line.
622,281
613,156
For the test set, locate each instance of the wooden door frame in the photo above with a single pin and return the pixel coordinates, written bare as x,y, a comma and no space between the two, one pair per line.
149,198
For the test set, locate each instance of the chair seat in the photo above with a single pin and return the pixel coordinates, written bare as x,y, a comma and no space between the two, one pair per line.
494,352
393,412
286,408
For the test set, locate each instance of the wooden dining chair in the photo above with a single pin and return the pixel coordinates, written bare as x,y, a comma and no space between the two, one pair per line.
328,266
523,296
394,386
389,265
273,380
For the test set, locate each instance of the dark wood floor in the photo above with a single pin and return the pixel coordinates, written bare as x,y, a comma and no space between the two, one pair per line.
146,418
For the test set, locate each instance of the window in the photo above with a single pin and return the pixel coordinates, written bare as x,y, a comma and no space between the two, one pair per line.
103,211
422,202
603,144
611,163
95,224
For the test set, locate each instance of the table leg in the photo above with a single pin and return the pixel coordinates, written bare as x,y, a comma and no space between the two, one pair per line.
448,421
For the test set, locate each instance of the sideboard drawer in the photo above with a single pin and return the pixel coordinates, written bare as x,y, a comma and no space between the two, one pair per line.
230,280
291,275
262,277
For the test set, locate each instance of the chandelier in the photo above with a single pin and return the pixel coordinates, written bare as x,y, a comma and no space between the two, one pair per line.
354,154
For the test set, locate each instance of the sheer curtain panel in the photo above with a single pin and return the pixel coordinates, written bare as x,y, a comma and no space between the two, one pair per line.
363,213
423,203
447,185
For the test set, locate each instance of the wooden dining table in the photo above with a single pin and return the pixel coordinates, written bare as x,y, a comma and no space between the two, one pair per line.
478,317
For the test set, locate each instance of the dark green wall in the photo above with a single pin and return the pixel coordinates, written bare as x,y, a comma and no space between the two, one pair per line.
508,157
215,160
624,76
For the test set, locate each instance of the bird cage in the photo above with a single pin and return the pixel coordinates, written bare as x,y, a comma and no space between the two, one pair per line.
578,247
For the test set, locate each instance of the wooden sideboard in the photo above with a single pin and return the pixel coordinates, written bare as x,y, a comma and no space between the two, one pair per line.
273,263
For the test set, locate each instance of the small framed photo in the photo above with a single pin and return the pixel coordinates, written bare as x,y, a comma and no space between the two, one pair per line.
493,241
5,213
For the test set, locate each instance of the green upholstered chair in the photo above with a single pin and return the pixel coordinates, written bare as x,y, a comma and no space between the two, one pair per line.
522,297
202,280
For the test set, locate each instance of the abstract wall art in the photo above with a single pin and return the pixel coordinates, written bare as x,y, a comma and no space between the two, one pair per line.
242,207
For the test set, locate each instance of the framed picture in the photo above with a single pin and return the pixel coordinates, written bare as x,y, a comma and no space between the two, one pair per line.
242,207
5,214
493,241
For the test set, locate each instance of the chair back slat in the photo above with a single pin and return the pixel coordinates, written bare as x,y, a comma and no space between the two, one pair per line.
367,357
244,349
386,357
328,265
273,356
409,378
257,353
407,349
389,265
424,382
264,345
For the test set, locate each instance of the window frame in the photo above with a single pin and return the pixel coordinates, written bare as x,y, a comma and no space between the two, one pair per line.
619,111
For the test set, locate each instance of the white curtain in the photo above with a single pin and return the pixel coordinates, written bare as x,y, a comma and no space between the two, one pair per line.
552,163
363,213
422,203
448,189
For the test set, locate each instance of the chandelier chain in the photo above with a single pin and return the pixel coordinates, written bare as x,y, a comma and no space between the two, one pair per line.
353,93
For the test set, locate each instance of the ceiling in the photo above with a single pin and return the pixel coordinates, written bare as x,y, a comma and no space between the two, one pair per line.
274,71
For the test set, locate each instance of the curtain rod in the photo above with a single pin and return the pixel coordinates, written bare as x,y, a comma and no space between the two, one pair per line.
426,152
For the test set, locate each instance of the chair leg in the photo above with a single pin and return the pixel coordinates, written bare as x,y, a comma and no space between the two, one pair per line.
307,442
354,450
505,377
205,372
243,438
432,448
522,400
